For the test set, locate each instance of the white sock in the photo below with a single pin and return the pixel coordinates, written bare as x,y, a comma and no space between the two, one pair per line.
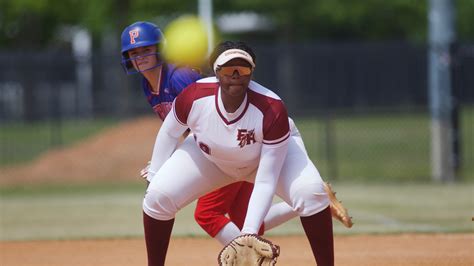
227,233
278,214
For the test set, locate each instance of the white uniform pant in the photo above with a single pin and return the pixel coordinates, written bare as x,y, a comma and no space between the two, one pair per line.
188,175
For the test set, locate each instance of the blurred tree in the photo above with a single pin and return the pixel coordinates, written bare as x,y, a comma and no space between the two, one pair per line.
35,23
352,19
465,19
343,19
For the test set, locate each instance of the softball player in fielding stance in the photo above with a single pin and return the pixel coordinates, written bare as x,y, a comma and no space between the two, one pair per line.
161,83
240,132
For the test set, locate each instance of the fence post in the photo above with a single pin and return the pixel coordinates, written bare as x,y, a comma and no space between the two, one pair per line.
456,112
441,37
82,48
56,117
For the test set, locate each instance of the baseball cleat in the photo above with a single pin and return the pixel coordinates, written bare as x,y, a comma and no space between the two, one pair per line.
338,211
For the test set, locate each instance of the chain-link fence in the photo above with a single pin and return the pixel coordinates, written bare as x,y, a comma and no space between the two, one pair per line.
362,108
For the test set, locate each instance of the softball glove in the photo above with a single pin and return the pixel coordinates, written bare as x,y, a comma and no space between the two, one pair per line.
249,250
338,211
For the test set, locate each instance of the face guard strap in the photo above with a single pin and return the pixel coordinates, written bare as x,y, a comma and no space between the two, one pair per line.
127,63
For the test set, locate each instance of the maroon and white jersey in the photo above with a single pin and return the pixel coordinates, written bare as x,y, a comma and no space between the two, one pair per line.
233,141
252,144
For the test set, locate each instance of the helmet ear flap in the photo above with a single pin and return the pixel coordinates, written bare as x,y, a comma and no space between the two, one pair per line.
127,64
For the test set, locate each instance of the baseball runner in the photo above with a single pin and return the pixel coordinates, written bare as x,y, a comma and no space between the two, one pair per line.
161,82
241,132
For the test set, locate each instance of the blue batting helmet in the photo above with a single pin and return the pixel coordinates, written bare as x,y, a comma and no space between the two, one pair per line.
139,34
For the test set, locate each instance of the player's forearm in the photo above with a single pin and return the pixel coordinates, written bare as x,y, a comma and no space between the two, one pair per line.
260,202
165,144
271,162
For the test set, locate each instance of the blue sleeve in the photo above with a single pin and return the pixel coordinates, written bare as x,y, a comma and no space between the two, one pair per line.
182,77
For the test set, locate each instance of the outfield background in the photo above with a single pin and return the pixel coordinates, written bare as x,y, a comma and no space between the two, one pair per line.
90,188
114,211
75,130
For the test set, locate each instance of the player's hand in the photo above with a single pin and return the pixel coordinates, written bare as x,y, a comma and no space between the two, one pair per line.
144,171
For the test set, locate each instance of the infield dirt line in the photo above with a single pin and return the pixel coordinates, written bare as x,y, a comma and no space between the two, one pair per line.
387,250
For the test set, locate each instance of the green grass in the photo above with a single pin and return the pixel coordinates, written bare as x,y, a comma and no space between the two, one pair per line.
376,147
380,147
21,142
114,211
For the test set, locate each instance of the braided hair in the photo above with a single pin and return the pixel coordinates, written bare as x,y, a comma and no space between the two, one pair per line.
227,45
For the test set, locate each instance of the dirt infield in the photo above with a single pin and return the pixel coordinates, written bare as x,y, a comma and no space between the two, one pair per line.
388,250
114,154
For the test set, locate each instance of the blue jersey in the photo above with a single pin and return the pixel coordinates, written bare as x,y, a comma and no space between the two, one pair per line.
173,81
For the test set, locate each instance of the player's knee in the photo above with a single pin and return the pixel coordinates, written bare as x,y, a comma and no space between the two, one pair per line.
159,206
309,199
206,216
200,215
211,218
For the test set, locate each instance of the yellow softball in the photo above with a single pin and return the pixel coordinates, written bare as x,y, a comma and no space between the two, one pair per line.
186,41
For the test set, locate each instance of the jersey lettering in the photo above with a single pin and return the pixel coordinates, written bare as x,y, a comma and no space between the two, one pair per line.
133,34
245,137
